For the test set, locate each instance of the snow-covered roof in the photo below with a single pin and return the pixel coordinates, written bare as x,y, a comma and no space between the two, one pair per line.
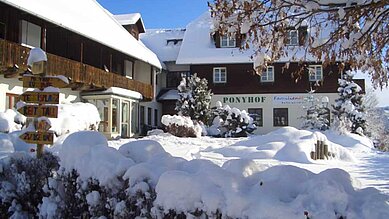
89,19
170,95
198,47
165,43
127,19
116,91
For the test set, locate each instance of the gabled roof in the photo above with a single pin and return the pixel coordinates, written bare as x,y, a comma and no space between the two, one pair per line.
165,43
89,19
130,19
198,47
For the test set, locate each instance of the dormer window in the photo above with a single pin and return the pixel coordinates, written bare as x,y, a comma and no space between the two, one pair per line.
315,73
292,38
227,41
173,42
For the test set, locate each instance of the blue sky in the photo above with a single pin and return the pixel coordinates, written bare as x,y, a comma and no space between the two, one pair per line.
159,13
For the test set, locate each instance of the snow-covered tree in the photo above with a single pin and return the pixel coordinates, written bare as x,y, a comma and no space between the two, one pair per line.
230,122
195,98
318,115
375,121
348,109
328,30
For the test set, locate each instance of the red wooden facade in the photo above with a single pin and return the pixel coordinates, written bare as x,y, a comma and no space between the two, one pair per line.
241,79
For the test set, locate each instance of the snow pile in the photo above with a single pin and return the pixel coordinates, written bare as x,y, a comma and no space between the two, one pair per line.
142,150
284,144
6,145
74,117
11,120
278,192
181,122
89,154
36,55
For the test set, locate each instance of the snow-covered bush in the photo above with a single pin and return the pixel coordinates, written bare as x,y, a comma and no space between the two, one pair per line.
194,98
317,116
181,126
230,122
348,108
21,184
11,120
73,197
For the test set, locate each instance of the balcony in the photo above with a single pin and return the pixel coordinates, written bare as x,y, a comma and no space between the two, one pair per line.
82,77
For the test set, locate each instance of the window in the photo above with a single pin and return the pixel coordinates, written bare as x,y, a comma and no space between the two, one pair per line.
142,116
227,41
125,119
134,117
292,38
10,100
102,107
256,114
173,42
115,115
129,69
149,116
220,75
268,75
174,78
280,117
315,73
30,34
155,117
2,30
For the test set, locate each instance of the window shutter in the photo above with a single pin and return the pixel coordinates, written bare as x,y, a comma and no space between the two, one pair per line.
216,38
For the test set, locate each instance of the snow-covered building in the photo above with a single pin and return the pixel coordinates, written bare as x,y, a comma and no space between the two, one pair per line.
166,43
275,99
106,63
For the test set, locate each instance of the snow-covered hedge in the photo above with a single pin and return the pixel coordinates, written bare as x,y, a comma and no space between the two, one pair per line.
230,122
181,126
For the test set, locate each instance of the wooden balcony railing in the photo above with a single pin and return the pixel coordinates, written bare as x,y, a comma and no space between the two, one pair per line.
82,75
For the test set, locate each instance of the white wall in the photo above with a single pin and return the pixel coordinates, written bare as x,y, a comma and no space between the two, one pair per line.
294,103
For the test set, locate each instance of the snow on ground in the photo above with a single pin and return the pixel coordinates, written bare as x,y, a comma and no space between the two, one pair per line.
271,176
285,146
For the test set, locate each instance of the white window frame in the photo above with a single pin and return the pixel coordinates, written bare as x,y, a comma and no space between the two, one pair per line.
314,75
290,43
265,75
230,41
217,75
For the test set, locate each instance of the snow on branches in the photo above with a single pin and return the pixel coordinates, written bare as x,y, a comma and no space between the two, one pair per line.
194,98
351,31
348,108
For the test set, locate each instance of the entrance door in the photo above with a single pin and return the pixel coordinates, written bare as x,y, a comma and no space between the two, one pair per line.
125,119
